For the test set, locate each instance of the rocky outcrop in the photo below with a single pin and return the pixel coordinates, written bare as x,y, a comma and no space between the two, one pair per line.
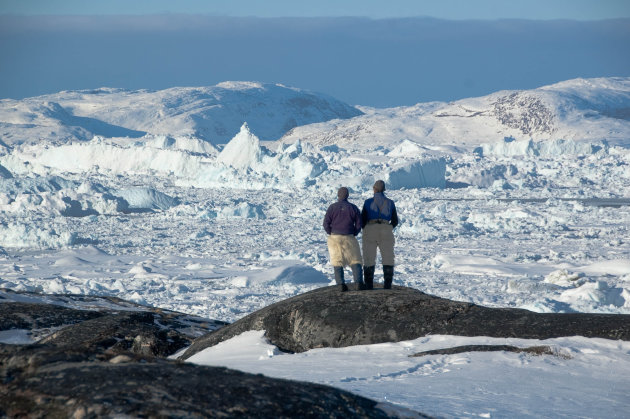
120,328
524,112
109,361
326,317
16,315
532,350
159,388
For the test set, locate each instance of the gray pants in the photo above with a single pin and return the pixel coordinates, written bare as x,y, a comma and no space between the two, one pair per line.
379,236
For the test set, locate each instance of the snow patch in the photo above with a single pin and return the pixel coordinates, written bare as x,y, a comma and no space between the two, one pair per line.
58,196
299,275
564,278
16,337
147,198
22,235
241,210
248,345
598,294
425,173
556,147
608,267
408,149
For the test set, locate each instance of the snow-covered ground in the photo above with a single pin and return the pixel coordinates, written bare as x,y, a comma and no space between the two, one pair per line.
518,199
582,377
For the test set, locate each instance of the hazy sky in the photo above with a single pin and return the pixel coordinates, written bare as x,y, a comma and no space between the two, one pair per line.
47,46
445,9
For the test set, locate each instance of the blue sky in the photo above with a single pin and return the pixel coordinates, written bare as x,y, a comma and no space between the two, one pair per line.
445,9
463,50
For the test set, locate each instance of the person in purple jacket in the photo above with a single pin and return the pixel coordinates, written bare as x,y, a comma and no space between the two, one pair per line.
342,223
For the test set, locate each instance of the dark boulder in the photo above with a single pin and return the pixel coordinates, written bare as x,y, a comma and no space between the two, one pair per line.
110,363
17,315
117,327
326,317
161,388
137,332
145,330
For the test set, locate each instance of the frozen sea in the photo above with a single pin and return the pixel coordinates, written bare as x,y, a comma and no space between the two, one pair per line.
220,232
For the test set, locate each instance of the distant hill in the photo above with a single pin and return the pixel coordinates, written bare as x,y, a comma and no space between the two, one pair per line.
579,109
214,114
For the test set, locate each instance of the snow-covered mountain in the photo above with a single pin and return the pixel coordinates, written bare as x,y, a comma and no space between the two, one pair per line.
213,114
581,110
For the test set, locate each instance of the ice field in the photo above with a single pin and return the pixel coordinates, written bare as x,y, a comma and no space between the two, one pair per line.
518,199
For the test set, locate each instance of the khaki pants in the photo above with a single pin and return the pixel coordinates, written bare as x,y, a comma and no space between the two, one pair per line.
379,236
344,250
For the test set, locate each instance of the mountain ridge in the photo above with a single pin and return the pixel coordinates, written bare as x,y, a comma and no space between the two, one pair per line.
214,113
579,109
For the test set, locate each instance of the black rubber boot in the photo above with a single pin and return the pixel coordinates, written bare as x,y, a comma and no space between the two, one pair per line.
339,278
368,276
388,276
357,275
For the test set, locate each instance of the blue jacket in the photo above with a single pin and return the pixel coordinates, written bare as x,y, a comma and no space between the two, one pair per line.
342,217
379,208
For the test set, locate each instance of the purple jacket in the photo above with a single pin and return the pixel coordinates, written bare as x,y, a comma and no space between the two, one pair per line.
342,217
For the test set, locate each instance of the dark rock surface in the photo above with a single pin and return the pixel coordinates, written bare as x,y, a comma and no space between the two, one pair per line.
132,331
160,388
120,327
326,317
111,363
533,350
17,315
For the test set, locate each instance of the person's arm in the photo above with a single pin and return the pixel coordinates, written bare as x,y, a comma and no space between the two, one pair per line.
357,221
328,221
394,216
364,217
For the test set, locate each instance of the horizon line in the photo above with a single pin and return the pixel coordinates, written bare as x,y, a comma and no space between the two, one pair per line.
331,17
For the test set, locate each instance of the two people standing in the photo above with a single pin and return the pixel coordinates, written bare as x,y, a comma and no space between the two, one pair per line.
377,219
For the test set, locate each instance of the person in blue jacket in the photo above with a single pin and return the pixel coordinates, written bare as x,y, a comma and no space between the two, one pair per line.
378,220
342,223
